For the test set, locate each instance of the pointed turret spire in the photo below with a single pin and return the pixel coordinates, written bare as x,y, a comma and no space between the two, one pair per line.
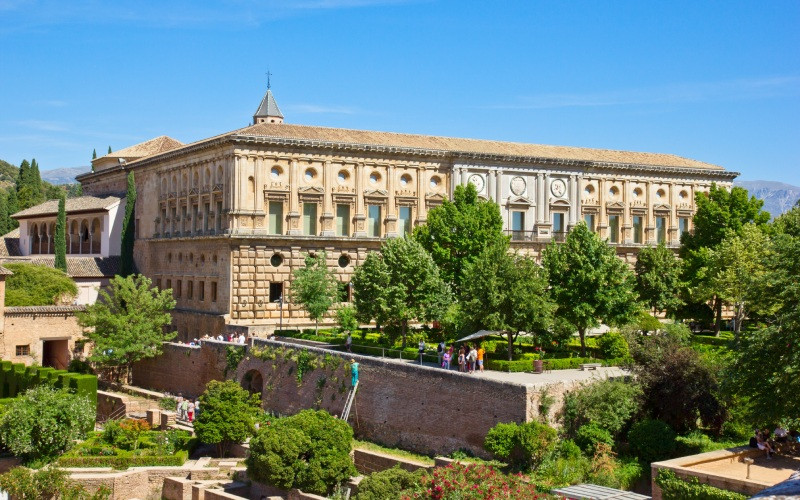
268,111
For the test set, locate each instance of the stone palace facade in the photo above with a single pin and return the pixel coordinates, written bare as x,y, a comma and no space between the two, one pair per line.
224,221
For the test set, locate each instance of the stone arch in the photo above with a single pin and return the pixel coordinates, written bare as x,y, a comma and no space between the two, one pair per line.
74,238
174,183
253,381
84,237
208,177
220,174
33,233
185,184
95,235
163,186
196,180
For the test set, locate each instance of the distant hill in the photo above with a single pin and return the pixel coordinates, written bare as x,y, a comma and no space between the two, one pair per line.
59,176
778,197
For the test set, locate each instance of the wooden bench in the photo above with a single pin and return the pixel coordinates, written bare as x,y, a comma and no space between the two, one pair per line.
590,366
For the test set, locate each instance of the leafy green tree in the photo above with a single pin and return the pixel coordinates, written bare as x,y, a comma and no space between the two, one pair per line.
658,278
33,285
399,285
507,293
74,190
609,404
309,451
589,283
457,232
13,207
315,287
126,265
60,240
44,422
766,366
47,483
228,415
719,213
128,323
387,484
652,440
524,445
346,319
5,220
737,269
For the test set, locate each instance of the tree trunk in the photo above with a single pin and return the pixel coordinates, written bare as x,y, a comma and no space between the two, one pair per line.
718,322
738,317
582,335
510,345
403,325
316,326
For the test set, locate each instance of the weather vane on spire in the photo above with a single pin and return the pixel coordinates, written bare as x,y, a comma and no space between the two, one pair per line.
268,79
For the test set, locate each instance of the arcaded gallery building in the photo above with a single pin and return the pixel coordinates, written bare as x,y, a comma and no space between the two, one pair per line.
224,221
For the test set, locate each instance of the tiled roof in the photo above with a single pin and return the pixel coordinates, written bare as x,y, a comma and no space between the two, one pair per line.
44,309
77,267
458,145
268,106
147,148
78,204
9,244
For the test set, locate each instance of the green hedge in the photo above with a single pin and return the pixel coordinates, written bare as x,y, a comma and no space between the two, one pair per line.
16,378
674,488
526,365
123,462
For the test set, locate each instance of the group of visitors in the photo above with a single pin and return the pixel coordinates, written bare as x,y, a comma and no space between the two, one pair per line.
469,358
187,410
230,337
769,444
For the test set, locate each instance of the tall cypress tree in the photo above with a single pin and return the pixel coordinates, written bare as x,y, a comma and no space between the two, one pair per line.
13,207
94,154
126,267
36,183
61,237
109,150
5,225
23,177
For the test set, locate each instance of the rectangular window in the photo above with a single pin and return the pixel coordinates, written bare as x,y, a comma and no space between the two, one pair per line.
374,220
683,226
206,213
310,218
589,219
195,212
218,216
23,350
661,229
174,225
213,291
342,220
558,222
276,217
404,220
190,289
275,291
517,225
613,228
169,285
344,289
183,219
158,283
178,287
637,229
201,291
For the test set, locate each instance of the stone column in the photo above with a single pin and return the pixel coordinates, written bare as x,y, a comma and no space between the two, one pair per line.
602,217
649,232
546,198
490,182
454,181
498,185
573,200
540,198
327,199
390,222
359,218
293,217
422,211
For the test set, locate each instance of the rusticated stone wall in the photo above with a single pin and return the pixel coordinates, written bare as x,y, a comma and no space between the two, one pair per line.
182,369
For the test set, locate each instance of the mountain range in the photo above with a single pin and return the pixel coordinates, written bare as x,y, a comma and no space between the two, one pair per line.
778,197
63,175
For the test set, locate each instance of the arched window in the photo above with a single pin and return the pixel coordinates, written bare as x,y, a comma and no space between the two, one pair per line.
95,235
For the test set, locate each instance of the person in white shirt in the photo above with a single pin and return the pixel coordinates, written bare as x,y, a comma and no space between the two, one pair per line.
241,339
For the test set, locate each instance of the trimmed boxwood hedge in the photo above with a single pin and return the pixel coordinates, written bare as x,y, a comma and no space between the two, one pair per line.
526,365
16,378
123,462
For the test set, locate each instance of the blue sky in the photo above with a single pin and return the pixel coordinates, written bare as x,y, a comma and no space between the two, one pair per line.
714,81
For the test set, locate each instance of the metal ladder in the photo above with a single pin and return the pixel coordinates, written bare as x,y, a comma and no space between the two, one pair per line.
349,403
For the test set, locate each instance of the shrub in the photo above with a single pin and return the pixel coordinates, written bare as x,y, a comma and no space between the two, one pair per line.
167,403
564,466
523,446
80,366
471,482
309,450
589,435
33,285
674,488
651,440
46,483
678,331
387,484
228,415
44,422
609,404
613,345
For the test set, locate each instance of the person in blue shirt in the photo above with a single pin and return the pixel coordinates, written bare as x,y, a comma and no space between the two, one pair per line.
354,371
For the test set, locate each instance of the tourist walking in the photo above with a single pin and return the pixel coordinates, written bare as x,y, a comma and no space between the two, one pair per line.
349,342
179,408
461,360
353,372
481,355
184,409
190,412
421,350
446,360
440,352
471,358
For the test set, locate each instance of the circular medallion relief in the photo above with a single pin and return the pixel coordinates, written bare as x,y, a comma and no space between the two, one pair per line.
518,186
477,181
558,188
